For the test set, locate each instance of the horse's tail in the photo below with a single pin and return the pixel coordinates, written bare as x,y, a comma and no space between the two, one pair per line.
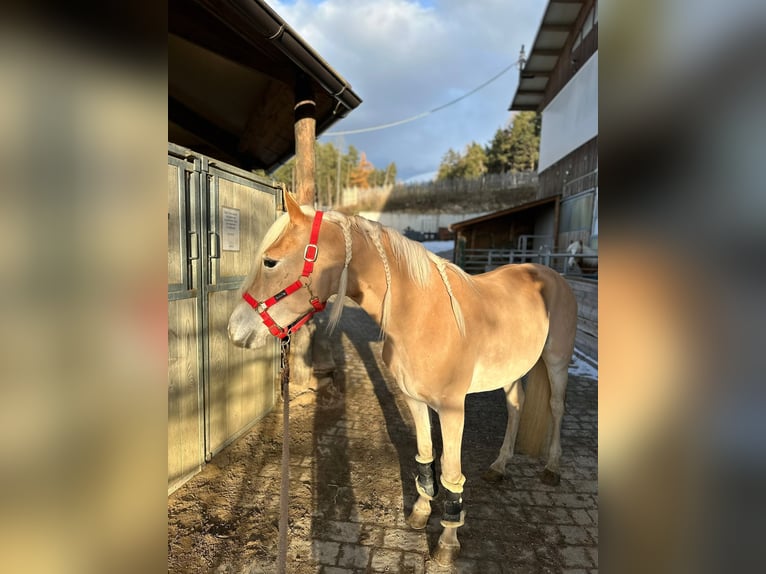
535,424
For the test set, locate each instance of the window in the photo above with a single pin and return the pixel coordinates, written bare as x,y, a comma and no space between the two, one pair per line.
577,212
590,20
594,231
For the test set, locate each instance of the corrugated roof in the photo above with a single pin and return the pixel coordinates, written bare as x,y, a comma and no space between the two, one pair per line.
555,28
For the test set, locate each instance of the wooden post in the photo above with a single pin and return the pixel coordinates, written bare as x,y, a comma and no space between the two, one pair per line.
305,135
304,189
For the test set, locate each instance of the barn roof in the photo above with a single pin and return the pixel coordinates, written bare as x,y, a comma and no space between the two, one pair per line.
466,223
232,68
557,24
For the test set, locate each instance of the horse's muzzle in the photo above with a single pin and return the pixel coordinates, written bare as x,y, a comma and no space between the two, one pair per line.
245,329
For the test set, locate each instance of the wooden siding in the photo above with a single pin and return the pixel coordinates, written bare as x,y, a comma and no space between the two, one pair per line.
586,293
575,164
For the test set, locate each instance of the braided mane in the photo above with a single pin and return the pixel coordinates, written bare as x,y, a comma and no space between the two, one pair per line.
418,260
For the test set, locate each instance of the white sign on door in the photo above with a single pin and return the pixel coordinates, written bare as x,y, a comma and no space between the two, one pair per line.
230,229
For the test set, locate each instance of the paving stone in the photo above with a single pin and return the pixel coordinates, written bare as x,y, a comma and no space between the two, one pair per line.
518,525
576,500
326,552
593,532
413,563
576,556
354,556
371,535
593,551
581,517
574,535
343,531
410,540
384,560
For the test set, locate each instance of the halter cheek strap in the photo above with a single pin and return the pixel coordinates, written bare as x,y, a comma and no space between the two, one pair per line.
310,254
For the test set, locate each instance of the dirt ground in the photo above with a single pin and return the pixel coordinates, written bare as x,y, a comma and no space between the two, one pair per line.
352,466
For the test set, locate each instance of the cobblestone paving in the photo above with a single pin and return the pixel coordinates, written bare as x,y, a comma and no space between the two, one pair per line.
520,525
359,468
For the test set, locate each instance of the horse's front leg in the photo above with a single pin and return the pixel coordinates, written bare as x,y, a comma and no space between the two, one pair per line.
425,481
452,479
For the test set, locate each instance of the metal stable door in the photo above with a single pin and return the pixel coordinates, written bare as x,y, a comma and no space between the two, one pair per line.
217,215
240,384
185,358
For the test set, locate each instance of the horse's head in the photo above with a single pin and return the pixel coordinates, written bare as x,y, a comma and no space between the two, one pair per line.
574,248
292,276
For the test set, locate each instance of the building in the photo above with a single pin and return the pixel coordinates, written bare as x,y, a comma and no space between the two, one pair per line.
559,79
240,83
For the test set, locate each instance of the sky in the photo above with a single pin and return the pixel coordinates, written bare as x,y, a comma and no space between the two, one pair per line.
406,57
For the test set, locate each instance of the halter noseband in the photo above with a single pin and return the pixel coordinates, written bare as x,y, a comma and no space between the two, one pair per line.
310,254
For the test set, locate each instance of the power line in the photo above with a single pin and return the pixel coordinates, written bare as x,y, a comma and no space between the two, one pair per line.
429,112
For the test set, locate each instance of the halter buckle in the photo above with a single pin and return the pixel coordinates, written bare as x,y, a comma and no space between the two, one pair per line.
311,252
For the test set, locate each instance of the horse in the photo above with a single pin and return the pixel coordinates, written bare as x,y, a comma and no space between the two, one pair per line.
579,263
446,333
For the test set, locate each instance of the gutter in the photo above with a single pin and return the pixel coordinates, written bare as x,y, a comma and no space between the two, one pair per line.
251,17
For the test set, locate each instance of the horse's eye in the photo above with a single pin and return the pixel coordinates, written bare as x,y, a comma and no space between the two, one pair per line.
269,263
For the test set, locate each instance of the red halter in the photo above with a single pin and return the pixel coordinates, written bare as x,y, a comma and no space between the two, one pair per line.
310,254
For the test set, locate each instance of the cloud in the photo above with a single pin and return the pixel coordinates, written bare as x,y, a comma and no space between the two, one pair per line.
404,58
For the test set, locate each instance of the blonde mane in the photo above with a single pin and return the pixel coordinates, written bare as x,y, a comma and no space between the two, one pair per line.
418,261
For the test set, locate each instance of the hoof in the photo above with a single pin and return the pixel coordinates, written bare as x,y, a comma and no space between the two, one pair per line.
491,475
445,555
550,478
417,520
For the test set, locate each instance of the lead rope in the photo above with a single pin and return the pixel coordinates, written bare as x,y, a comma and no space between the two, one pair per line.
285,488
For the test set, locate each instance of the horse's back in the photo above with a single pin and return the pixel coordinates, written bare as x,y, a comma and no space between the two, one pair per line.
554,294
526,277
561,306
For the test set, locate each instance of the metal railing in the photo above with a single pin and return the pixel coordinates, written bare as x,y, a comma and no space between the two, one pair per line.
585,182
475,261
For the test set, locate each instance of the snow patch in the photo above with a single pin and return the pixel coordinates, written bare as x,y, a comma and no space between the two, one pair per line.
583,366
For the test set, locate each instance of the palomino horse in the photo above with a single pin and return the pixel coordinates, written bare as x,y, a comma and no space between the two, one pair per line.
446,333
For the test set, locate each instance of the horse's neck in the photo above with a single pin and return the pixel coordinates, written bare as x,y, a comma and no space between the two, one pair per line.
367,283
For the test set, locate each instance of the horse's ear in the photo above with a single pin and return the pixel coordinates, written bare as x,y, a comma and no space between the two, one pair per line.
293,209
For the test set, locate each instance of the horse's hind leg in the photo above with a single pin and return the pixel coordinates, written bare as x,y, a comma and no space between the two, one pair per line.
558,372
514,396
425,482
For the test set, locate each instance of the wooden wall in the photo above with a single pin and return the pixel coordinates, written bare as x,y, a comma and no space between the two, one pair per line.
575,164
586,292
